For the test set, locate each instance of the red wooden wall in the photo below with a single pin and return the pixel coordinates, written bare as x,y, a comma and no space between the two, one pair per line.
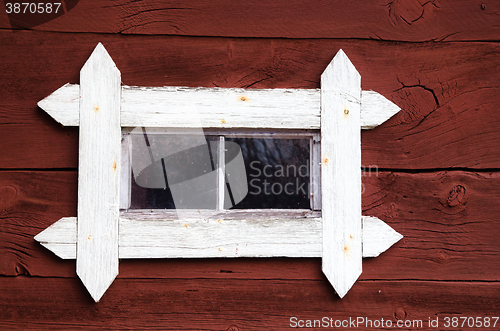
439,158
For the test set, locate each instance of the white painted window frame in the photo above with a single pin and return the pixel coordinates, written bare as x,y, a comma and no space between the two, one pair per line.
99,236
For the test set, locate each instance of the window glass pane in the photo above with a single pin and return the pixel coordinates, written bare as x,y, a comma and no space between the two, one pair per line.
277,173
173,171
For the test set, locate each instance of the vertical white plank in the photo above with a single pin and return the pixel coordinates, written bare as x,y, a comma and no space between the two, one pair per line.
341,173
98,173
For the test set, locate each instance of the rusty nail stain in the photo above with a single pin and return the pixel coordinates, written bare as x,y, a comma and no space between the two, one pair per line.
96,108
223,121
219,220
114,165
89,237
326,160
243,98
346,248
186,226
351,236
220,249
346,111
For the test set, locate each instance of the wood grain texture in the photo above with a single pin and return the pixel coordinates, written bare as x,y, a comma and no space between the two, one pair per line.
341,173
449,219
408,20
98,173
222,304
447,92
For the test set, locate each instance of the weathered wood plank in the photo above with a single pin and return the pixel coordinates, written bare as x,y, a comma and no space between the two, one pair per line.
186,107
341,173
98,173
447,92
218,237
208,304
167,106
400,20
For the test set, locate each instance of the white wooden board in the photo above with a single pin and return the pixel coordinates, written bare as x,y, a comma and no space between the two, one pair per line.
218,107
98,173
202,238
341,173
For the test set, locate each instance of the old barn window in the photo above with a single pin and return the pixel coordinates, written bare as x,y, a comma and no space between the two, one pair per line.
212,148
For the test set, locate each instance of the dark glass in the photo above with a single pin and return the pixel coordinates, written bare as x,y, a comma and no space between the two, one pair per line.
181,171
277,173
173,171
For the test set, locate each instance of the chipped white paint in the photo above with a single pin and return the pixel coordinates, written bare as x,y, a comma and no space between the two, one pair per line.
201,238
218,107
101,107
341,173
98,173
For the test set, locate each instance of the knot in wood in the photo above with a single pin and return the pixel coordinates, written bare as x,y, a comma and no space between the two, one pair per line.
7,197
457,196
233,328
400,314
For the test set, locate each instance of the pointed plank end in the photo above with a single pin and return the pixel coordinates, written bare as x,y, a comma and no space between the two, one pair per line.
341,60
60,238
340,74
95,288
101,58
344,284
376,109
377,236
60,105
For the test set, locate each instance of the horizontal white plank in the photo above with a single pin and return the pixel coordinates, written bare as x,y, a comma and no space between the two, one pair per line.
377,236
203,238
375,109
217,107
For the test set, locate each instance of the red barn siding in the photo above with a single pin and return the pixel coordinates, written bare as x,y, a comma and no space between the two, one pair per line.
438,157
